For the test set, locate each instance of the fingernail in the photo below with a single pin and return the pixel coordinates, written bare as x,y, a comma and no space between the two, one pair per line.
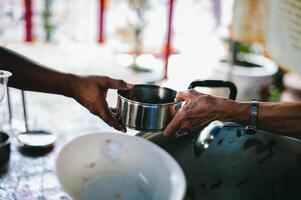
122,129
129,85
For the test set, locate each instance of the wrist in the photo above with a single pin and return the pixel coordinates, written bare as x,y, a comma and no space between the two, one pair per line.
238,112
69,85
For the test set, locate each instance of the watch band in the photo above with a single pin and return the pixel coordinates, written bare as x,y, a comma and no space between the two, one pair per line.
252,127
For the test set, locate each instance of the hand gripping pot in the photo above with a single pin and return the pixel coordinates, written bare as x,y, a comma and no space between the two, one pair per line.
150,108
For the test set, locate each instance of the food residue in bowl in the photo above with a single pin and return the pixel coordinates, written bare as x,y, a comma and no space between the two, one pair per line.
85,178
91,165
117,186
108,141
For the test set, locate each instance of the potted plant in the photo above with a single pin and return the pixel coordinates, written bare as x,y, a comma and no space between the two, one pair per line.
248,68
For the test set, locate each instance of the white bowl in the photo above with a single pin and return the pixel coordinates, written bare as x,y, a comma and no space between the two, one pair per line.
113,166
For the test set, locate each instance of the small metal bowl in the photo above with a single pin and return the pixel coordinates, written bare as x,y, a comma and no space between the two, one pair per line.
4,149
147,107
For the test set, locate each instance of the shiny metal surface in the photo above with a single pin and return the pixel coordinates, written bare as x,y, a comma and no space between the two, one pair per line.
206,136
237,165
4,75
147,107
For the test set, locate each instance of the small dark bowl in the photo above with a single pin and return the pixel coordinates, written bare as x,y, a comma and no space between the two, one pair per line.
4,149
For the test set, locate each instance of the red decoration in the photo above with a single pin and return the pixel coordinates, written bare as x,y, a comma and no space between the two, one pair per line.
102,7
168,46
28,20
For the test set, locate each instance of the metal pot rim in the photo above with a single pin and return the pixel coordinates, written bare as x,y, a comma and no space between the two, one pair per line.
148,104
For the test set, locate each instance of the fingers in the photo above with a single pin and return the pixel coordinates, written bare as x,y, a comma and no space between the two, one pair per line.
117,84
193,126
183,129
186,95
173,126
112,121
181,96
181,124
107,116
113,110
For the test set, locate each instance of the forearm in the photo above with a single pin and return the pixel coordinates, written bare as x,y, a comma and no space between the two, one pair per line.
29,75
282,118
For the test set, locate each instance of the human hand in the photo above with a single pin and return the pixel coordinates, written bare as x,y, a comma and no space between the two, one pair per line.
197,112
91,92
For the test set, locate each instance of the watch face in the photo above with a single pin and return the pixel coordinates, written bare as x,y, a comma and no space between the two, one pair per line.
251,128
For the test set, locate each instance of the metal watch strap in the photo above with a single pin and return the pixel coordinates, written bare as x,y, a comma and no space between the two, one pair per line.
252,127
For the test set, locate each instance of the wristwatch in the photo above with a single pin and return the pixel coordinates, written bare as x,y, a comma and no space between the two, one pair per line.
252,127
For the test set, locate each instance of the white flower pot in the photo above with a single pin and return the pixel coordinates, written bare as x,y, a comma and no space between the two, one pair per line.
251,82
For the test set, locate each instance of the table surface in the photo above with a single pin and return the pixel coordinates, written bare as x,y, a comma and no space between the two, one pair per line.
31,177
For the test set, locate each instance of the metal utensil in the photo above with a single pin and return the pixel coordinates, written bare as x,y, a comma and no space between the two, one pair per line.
4,75
34,139
147,107
247,164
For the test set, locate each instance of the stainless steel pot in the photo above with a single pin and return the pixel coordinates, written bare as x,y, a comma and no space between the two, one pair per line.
147,107
150,108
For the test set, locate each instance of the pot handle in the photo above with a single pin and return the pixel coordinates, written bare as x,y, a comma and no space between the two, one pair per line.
215,84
